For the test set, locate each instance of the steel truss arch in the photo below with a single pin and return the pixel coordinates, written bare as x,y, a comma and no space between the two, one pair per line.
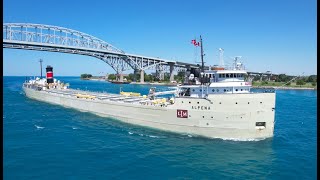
50,38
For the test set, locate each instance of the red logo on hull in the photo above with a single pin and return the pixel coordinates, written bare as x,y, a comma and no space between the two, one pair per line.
182,113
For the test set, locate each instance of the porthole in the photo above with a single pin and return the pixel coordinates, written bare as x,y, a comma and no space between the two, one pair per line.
198,102
200,90
260,102
236,89
207,124
212,90
219,102
189,102
224,90
248,103
217,90
193,90
236,103
241,89
189,115
212,117
181,101
202,116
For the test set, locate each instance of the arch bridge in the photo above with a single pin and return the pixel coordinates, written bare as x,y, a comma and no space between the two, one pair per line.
42,37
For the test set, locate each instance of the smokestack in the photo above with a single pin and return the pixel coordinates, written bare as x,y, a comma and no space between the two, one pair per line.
49,74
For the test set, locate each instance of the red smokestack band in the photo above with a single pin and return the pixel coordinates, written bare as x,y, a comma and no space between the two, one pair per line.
49,75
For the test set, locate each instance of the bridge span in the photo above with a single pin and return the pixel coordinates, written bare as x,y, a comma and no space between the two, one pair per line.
50,38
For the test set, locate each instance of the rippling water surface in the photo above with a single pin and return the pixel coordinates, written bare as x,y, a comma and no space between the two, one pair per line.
45,141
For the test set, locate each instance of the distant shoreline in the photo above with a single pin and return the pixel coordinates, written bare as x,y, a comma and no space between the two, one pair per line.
174,84
285,88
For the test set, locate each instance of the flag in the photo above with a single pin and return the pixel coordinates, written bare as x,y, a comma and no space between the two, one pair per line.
195,43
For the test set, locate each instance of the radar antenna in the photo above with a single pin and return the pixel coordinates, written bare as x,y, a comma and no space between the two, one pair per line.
221,57
236,58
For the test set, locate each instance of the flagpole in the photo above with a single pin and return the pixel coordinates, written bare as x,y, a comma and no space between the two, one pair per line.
202,63
202,69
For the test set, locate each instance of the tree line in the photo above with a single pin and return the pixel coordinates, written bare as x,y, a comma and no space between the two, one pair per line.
284,78
85,76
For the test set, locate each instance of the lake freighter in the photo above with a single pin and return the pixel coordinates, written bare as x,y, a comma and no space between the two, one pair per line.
214,103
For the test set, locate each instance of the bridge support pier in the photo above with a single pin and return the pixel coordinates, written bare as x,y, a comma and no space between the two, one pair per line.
261,77
268,77
141,76
171,72
119,77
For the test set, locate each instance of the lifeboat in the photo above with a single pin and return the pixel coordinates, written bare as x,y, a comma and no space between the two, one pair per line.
217,68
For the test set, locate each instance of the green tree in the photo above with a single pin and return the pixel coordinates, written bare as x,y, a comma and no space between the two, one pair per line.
180,76
166,77
84,76
300,82
130,77
282,78
151,77
146,78
112,77
312,78
314,83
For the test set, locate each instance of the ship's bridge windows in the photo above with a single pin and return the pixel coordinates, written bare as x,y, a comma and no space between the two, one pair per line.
231,75
227,75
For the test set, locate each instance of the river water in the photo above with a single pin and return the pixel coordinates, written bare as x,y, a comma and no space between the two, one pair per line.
45,141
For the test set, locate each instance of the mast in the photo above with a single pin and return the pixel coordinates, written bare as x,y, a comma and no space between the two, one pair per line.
41,67
202,67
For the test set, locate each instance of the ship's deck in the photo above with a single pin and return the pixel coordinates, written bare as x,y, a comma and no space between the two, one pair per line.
104,96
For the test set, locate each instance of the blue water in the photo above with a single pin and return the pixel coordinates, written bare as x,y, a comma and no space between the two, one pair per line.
45,141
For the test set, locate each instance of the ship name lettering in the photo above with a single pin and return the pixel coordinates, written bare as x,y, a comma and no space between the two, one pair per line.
201,107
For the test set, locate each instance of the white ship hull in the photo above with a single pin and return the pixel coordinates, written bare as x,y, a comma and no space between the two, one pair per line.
226,116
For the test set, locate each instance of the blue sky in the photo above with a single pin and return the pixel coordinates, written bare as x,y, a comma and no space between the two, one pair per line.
275,35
